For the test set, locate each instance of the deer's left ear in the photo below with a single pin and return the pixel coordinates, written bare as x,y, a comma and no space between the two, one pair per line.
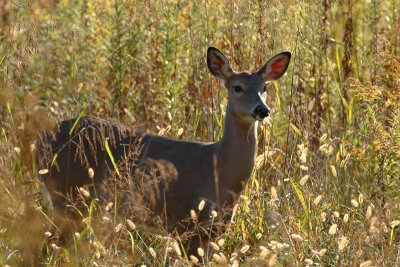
275,67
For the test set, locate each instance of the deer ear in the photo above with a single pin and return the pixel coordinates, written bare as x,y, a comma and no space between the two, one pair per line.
275,67
218,64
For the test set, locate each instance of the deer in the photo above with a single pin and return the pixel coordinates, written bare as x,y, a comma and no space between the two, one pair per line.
212,173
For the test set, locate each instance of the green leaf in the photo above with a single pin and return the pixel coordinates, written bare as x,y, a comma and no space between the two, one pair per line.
54,159
111,156
300,197
132,242
299,194
76,122
345,103
294,127
115,184
392,236
277,94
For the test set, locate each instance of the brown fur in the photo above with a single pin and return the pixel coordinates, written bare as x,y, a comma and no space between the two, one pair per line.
166,177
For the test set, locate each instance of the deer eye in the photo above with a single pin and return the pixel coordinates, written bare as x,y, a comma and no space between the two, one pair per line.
237,89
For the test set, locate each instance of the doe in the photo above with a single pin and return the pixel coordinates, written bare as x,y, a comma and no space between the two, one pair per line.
211,172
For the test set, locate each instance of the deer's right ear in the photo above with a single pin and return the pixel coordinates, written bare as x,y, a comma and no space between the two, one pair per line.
218,64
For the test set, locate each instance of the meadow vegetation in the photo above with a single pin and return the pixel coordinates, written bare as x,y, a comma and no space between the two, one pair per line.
326,190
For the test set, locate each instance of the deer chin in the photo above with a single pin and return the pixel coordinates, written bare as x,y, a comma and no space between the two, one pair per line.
258,118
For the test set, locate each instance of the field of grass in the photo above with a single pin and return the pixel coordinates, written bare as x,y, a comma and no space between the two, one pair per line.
326,191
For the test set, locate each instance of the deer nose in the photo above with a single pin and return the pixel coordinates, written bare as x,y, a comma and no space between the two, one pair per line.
261,111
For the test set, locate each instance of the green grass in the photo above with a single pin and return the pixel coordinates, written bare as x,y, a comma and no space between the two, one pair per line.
336,118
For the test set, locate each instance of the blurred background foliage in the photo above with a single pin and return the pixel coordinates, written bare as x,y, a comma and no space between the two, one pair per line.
334,132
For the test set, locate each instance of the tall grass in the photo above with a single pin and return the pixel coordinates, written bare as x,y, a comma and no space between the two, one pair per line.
327,187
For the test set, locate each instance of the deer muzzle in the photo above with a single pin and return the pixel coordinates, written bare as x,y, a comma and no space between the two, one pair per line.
261,112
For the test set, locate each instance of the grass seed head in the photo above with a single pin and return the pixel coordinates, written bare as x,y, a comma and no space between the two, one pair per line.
297,237
366,264
244,249
333,171
193,259
302,151
304,180
131,224
346,218
221,242
272,260
344,162
360,198
373,229
322,252
274,194
152,252
223,257
90,173
368,213
384,228
17,150
217,258
333,229
280,246
303,168
43,171
55,247
201,205
264,252
323,147
322,138
234,211
308,261
193,215
354,203
32,148
322,216
343,242
105,219
200,252
214,214
118,227
214,246
84,192
317,200
109,206
395,223
177,248
235,263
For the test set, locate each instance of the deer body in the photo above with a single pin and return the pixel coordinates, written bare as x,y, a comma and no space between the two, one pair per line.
214,172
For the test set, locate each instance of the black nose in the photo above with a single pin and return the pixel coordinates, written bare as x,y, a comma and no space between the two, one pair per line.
261,111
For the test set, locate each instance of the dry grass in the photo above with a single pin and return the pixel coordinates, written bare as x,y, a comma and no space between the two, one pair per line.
326,188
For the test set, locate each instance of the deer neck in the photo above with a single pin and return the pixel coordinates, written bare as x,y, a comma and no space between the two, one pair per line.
235,157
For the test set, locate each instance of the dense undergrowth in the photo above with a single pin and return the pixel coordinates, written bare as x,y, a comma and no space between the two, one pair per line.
327,186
